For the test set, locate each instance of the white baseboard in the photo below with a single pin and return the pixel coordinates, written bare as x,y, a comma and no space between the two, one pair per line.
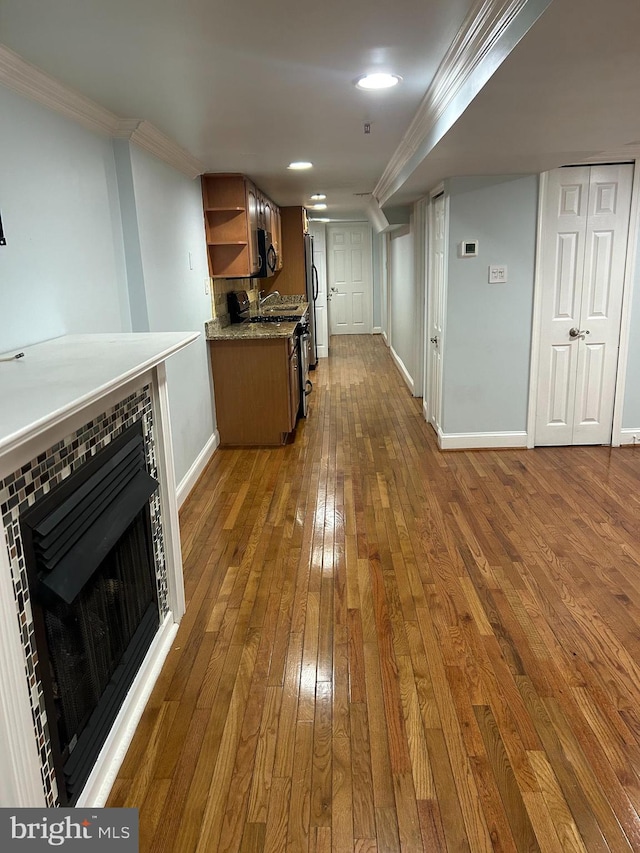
403,370
377,330
630,436
384,337
481,440
425,410
103,775
191,477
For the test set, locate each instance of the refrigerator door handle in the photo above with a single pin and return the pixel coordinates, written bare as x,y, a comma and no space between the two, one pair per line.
316,285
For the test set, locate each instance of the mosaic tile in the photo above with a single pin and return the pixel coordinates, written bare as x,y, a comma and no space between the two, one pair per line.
22,488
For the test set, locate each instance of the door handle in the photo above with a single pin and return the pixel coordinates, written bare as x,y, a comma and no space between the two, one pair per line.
578,333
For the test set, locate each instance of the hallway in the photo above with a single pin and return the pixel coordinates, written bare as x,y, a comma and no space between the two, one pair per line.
390,648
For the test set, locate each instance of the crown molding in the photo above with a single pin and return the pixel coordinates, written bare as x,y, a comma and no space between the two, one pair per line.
29,81
488,34
26,79
147,136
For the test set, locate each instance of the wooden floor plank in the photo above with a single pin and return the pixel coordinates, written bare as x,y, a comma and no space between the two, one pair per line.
391,648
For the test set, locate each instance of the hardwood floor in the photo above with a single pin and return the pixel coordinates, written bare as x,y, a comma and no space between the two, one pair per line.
390,648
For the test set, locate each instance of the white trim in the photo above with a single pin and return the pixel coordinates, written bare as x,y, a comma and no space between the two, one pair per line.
419,229
403,370
625,312
20,780
385,338
109,761
168,492
193,474
388,337
31,82
377,330
630,436
487,36
147,136
481,440
436,192
536,321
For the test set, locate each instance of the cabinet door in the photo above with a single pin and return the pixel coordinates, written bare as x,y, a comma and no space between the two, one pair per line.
267,216
294,388
253,213
276,234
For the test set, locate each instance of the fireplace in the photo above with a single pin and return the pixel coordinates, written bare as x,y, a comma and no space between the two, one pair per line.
63,403
88,546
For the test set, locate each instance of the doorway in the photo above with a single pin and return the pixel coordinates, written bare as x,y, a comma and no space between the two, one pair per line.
349,278
581,261
437,241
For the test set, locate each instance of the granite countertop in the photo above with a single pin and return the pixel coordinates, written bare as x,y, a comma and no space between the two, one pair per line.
219,329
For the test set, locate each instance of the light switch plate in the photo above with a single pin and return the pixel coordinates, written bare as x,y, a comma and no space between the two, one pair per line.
497,275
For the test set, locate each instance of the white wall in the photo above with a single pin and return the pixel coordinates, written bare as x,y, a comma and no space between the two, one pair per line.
404,298
98,239
171,227
487,336
62,270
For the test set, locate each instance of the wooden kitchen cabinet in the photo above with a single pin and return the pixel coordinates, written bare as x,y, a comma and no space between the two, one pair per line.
257,389
290,276
233,212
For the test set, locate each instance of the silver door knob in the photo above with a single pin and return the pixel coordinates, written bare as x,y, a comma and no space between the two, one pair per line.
578,333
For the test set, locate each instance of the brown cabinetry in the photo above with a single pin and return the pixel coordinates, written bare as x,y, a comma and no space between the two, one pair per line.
234,209
290,278
257,389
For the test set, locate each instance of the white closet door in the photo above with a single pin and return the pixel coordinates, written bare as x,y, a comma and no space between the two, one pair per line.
582,261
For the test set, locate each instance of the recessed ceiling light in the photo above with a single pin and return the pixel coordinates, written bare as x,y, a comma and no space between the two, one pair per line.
378,81
319,206
317,197
300,164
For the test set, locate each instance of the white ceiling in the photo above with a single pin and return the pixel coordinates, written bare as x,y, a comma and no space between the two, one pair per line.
247,86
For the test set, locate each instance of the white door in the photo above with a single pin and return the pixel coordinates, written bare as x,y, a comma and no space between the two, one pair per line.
435,309
349,279
318,231
585,224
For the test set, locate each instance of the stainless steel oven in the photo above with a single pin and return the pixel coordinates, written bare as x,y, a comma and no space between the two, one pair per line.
306,386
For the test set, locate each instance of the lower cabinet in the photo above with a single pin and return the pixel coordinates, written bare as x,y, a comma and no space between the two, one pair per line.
257,389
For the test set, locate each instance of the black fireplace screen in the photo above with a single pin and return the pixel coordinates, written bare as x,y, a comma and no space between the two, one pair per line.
89,553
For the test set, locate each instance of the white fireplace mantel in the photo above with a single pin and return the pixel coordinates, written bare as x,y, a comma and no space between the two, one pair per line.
55,388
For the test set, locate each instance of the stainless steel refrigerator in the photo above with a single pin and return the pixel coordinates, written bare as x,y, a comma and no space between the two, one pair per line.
311,284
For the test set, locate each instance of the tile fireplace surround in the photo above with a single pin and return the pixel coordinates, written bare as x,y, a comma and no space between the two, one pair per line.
59,404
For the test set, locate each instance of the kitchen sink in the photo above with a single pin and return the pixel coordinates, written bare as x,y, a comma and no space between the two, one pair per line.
279,309
274,318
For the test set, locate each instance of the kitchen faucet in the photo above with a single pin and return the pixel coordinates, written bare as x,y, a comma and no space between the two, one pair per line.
268,296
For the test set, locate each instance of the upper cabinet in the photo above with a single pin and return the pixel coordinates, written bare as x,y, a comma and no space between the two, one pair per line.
234,210
292,226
